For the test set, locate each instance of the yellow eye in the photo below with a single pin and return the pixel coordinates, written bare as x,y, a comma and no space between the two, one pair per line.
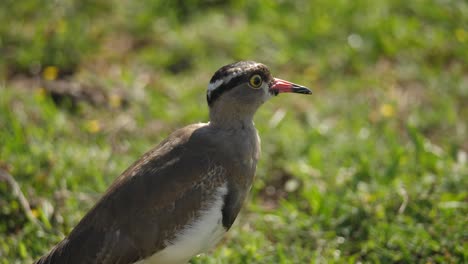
255,81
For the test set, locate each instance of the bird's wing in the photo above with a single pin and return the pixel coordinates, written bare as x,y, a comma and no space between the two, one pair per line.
145,206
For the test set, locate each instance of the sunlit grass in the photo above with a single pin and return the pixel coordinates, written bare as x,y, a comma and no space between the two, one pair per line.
371,168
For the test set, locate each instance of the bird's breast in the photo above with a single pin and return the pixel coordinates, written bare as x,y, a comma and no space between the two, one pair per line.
198,236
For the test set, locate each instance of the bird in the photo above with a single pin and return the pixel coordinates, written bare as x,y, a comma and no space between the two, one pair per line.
180,198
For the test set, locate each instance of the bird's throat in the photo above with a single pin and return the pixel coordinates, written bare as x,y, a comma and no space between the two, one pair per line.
231,115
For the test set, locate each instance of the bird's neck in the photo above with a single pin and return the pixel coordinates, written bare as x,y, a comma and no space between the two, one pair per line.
231,117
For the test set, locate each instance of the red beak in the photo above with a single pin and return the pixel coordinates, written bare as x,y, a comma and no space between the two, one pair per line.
282,86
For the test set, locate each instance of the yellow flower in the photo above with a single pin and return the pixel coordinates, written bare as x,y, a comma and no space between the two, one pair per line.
41,93
115,101
35,212
50,73
387,110
93,126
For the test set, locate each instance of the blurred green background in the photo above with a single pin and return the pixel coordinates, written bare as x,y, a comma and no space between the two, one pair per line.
371,168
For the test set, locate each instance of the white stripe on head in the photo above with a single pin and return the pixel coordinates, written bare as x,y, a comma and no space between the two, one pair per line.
215,85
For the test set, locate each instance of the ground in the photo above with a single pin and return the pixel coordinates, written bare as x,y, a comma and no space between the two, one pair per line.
373,167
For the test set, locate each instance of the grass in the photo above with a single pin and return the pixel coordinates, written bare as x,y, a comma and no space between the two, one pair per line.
371,168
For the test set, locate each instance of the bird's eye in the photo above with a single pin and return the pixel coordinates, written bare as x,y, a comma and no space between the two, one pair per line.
255,81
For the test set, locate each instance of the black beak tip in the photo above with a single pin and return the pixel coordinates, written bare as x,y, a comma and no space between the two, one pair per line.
301,89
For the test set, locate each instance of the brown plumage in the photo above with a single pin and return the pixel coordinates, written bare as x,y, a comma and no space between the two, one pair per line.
173,187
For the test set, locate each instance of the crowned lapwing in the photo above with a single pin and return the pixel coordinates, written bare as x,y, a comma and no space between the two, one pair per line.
180,198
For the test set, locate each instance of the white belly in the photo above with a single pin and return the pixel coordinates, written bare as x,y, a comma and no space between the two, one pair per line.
197,237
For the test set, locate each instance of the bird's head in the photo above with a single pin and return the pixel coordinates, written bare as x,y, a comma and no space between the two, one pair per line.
243,86
248,82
